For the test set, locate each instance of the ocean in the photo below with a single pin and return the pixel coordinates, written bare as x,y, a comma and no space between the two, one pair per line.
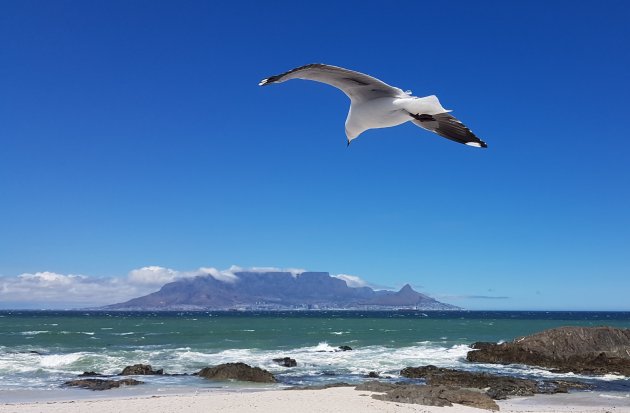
40,350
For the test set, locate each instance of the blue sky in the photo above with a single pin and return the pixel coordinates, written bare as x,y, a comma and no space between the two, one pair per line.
133,134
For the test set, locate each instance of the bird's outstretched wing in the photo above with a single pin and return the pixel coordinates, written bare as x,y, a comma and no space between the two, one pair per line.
449,127
356,85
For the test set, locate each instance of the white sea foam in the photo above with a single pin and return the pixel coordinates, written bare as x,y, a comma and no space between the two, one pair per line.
324,357
614,396
33,333
613,377
59,360
321,360
321,348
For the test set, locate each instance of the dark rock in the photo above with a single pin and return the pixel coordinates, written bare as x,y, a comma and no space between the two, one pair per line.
437,396
561,386
237,371
467,398
481,345
90,374
376,386
286,361
345,348
497,387
585,350
140,370
373,375
101,384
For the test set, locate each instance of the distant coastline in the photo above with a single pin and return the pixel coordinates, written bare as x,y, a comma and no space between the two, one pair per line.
278,291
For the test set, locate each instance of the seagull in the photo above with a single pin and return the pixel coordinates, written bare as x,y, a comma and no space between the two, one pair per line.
375,104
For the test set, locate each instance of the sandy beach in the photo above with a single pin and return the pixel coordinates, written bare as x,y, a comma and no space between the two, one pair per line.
341,399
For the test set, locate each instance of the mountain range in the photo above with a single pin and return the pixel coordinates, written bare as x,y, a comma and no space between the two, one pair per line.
250,290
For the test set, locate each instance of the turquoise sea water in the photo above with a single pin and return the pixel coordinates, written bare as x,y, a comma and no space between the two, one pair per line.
41,350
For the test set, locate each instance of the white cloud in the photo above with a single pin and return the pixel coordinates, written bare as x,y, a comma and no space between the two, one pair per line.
225,275
352,280
294,271
47,278
53,290
153,275
48,289
156,275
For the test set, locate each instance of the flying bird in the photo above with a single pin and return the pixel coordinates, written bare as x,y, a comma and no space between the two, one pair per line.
375,104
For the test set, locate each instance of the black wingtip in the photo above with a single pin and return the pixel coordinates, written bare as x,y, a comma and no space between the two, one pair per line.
275,78
270,80
476,144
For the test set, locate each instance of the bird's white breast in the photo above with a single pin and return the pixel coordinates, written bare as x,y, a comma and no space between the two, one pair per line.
375,113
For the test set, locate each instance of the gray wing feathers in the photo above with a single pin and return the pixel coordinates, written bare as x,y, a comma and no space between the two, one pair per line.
449,127
354,84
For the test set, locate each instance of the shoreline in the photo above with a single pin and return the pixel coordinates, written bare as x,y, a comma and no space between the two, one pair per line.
39,379
338,399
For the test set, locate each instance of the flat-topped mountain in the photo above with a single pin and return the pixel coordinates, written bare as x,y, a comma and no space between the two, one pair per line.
277,291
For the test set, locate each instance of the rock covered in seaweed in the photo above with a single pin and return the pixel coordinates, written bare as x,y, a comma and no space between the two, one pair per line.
101,384
496,386
237,371
428,395
285,361
140,370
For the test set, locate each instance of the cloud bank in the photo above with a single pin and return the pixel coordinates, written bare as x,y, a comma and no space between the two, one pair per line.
51,290
352,280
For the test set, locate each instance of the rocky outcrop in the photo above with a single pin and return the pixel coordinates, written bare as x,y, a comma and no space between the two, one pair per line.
286,361
101,384
140,370
237,371
497,387
585,350
377,386
90,374
344,348
428,395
